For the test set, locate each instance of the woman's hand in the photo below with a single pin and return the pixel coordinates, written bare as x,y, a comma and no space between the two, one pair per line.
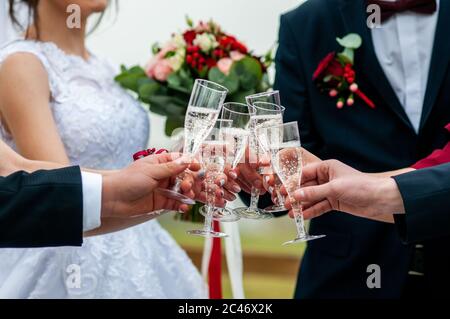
131,191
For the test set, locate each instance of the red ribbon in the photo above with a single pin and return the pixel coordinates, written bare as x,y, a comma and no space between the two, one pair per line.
148,152
215,266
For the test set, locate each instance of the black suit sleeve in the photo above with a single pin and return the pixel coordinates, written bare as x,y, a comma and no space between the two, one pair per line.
426,196
42,209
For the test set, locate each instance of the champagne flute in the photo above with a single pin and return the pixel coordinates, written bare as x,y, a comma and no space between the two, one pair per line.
285,148
271,97
236,137
203,110
266,114
213,163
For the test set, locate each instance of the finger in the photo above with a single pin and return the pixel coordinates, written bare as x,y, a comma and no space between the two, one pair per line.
311,171
250,175
169,169
313,193
228,196
317,210
231,173
187,183
221,180
244,185
184,208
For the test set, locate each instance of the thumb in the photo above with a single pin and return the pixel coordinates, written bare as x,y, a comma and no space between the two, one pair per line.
313,193
169,169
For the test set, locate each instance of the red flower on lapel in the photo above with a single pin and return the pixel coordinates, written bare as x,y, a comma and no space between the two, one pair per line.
335,73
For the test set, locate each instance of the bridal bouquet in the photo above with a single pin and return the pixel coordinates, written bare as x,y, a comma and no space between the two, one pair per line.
202,51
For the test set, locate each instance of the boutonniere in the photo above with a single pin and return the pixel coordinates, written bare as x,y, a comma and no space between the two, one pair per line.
336,76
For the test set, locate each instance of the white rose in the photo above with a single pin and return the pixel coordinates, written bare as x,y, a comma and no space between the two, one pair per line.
206,42
178,41
177,60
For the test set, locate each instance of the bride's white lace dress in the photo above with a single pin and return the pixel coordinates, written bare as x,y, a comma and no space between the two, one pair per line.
101,127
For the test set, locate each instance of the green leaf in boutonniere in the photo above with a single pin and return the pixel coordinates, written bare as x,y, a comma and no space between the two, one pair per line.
350,41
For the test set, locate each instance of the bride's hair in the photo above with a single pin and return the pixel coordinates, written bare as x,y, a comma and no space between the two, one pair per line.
33,16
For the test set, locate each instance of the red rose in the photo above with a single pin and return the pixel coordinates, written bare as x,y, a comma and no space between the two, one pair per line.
328,66
189,36
240,47
211,63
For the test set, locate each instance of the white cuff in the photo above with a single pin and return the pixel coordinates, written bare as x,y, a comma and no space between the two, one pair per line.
92,200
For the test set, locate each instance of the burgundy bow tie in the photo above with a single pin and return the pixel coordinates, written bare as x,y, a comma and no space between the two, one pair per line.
389,8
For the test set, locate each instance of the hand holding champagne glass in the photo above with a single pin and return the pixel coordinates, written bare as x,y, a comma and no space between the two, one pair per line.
236,134
212,154
282,142
266,114
204,107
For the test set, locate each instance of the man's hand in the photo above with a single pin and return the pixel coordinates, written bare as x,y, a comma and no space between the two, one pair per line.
308,158
340,187
131,191
248,175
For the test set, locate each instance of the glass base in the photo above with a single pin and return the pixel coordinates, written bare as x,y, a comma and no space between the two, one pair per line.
224,215
303,239
175,196
250,213
275,209
204,233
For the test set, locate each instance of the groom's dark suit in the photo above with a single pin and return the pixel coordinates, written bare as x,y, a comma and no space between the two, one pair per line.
378,139
42,209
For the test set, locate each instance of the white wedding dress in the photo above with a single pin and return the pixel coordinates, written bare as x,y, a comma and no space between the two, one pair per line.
101,127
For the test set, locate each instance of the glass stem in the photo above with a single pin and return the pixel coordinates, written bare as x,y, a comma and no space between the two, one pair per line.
178,181
280,197
210,201
299,220
254,198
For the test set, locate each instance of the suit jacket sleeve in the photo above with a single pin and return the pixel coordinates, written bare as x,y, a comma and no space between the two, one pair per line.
426,196
42,209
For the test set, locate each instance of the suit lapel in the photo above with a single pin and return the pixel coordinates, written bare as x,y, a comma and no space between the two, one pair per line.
439,60
354,15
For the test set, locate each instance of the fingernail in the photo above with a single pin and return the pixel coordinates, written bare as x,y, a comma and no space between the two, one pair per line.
236,189
233,175
222,182
183,160
222,193
266,179
201,174
301,194
270,189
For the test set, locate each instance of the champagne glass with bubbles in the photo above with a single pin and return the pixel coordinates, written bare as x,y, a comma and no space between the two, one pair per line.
266,114
236,134
202,113
282,142
212,154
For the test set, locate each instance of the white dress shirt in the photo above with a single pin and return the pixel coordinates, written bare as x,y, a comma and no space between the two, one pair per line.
92,200
404,46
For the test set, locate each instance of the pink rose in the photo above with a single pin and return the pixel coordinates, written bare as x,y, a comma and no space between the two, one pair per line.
159,68
224,65
236,55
